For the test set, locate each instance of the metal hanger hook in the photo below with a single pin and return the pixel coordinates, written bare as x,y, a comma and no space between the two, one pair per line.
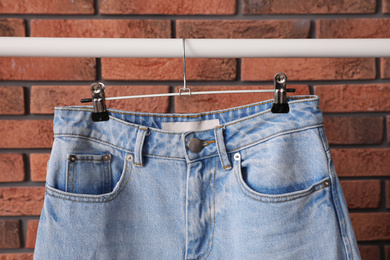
184,69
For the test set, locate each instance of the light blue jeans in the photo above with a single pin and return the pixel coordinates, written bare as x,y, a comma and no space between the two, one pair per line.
240,183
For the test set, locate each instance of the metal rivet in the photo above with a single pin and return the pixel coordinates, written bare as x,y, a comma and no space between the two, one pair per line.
129,157
237,156
106,157
326,183
72,158
195,145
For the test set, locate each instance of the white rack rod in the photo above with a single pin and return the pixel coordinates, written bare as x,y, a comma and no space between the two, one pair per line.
195,48
193,93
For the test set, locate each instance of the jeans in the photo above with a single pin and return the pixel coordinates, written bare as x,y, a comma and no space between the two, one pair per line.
239,183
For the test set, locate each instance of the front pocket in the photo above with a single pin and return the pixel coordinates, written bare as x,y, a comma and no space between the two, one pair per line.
88,173
277,198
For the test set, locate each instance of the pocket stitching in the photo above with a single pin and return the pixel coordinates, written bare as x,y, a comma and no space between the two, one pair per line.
90,198
278,198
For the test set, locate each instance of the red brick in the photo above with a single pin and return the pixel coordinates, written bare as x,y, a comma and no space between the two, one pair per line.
388,194
370,252
47,7
387,252
353,28
388,128
27,68
11,101
19,201
308,68
110,28
21,256
10,234
32,228
202,103
168,69
385,68
242,29
12,27
38,163
371,226
362,194
308,7
354,130
11,167
386,10
362,162
26,133
173,7
354,98
45,98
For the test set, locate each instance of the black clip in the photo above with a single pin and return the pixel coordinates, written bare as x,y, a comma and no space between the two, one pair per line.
280,104
99,102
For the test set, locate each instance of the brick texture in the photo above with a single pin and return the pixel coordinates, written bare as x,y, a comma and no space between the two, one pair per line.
168,69
387,194
353,28
386,10
308,68
26,68
38,163
202,103
12,27
353,98
242,29
11,167
173,7
370,252
47,7
388,128
22,256
26,133
362,162
385,68
11,101
362,194
307,7
354,130
371,226
109,28
32,228
19,201
10,234
45,98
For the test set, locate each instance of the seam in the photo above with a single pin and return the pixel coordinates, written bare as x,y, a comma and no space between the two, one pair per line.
339,212
206,143
97,200
282,198
273,135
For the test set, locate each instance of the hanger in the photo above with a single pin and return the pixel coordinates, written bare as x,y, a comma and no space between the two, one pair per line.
100,112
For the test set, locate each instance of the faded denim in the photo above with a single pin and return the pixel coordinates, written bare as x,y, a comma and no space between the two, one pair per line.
263,187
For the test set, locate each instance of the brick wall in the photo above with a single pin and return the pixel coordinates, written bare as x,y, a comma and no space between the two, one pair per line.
354,92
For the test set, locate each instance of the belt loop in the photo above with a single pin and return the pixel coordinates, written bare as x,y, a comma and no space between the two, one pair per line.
139,143
220,142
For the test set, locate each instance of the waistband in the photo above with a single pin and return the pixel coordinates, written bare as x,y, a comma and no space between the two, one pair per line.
238,128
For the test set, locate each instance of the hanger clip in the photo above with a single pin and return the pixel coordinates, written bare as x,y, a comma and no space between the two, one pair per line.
280,104
99,102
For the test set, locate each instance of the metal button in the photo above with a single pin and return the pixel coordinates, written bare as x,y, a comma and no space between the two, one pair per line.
72,158
129,158
237,156
326,183
195,145
106,157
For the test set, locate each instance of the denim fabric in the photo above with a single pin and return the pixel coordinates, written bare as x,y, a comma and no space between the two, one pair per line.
263,186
